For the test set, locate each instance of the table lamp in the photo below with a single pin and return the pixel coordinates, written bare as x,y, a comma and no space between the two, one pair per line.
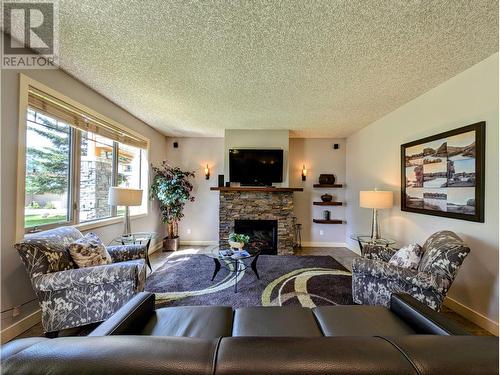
376,200
125,197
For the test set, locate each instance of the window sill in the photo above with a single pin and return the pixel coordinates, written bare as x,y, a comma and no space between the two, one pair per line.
106,222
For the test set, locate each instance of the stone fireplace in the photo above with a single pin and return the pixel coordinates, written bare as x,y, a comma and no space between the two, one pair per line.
263,234
257,204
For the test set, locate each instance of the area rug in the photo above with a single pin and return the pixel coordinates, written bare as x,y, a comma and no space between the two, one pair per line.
185,280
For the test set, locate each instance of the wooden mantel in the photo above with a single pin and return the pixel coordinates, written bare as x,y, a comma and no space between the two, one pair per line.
257,188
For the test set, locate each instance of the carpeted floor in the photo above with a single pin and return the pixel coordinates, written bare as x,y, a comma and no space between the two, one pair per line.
284,280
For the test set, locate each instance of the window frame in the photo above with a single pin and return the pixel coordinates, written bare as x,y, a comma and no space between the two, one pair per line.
24,83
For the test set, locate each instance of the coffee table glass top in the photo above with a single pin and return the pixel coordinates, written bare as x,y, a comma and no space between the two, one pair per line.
226,253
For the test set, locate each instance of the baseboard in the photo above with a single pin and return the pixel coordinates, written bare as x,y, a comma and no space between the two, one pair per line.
324,244
22,325
198,243
475,317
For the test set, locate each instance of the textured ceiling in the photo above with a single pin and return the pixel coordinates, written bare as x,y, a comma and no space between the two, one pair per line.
319,68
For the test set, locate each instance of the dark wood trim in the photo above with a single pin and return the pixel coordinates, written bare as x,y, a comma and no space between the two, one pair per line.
257,188
480,129
328,186
321,221
327,203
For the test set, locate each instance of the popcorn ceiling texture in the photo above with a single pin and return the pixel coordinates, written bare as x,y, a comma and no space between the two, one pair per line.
319,68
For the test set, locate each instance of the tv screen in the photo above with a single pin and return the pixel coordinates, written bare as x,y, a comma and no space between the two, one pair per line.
255,167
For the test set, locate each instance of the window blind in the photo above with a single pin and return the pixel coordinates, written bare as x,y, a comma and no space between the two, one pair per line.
75,117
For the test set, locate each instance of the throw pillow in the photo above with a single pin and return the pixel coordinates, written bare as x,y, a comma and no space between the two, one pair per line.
89,251
407,257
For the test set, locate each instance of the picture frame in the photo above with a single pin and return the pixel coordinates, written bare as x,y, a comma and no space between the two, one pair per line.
443,174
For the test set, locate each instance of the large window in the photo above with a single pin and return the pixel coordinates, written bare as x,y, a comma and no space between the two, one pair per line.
71,162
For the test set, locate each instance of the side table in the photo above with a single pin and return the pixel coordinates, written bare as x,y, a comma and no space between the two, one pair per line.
137,238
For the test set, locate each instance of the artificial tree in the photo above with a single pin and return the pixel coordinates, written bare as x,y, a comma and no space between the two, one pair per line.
172,189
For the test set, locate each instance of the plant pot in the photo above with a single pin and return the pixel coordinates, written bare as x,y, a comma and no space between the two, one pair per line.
326,197
171,244
236,245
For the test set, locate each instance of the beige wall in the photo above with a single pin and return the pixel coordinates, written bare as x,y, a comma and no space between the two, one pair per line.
201,221
237,138
16,288
319,157
373,160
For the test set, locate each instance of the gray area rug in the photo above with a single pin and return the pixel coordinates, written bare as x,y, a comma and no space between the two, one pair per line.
308,281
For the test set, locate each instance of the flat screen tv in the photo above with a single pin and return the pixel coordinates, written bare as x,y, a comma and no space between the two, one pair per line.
255,167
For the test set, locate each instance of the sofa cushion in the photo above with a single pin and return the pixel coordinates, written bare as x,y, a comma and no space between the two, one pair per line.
89,251
277,321
206,322
360,321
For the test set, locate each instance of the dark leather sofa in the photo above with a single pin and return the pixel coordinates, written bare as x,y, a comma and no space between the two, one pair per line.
408,338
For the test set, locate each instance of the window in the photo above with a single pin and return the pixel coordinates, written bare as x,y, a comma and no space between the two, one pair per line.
72,159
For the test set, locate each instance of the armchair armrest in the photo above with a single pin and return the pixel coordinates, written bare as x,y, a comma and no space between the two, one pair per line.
130,318
121,253
383,270
377,252
79,277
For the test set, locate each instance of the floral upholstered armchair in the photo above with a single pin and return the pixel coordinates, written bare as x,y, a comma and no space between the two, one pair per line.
71,297
374,280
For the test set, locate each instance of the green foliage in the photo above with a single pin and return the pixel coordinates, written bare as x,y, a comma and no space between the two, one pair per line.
49,206
34,205
172,189
235,237
47,167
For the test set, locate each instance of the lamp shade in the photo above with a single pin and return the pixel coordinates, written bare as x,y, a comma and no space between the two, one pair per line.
124,196
375,199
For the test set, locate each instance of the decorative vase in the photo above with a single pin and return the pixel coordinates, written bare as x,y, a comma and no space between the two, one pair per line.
326,179
236,245
171,244
326,215
326,197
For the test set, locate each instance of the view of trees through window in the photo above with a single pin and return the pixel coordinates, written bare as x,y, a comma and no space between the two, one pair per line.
102,163
48,144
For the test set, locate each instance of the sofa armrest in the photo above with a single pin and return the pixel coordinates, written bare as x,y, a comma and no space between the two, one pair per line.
422,318
79,277
383,270
121,253
130,318
377,252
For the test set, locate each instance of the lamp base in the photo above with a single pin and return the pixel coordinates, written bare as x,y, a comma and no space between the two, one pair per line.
126,223
375,227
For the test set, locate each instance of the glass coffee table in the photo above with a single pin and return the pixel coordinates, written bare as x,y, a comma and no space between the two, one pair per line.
234,261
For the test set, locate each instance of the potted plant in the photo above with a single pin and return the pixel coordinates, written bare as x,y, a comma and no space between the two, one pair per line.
172,189
238,241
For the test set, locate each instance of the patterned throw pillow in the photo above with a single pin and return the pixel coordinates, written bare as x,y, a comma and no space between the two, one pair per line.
407,257
89,251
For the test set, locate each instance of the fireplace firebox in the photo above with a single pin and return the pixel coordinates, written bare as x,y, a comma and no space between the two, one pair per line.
263,234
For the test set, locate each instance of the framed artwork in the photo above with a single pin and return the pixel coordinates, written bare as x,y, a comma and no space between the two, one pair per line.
443,175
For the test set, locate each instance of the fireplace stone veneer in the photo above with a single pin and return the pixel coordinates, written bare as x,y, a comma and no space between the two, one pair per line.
257,205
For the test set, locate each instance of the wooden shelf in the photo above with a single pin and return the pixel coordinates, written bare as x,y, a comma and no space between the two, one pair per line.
321,221
328,186
327,203
257,188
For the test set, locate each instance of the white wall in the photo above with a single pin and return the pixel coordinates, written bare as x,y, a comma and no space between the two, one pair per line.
237,138
15,284
373,160
319,157
201,217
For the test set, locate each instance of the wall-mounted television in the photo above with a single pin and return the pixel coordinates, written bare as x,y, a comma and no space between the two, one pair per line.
256,167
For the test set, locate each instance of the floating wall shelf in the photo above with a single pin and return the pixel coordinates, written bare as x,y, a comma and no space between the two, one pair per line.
321,221
327,203
328,186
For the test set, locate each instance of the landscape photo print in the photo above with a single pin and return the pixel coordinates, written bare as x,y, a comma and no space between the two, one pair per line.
443,175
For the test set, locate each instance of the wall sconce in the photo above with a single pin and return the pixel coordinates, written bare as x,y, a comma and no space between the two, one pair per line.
207,172
304,172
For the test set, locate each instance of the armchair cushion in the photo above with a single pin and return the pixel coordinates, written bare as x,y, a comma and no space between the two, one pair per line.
407,257
81,277
121,253
444,253
89,251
